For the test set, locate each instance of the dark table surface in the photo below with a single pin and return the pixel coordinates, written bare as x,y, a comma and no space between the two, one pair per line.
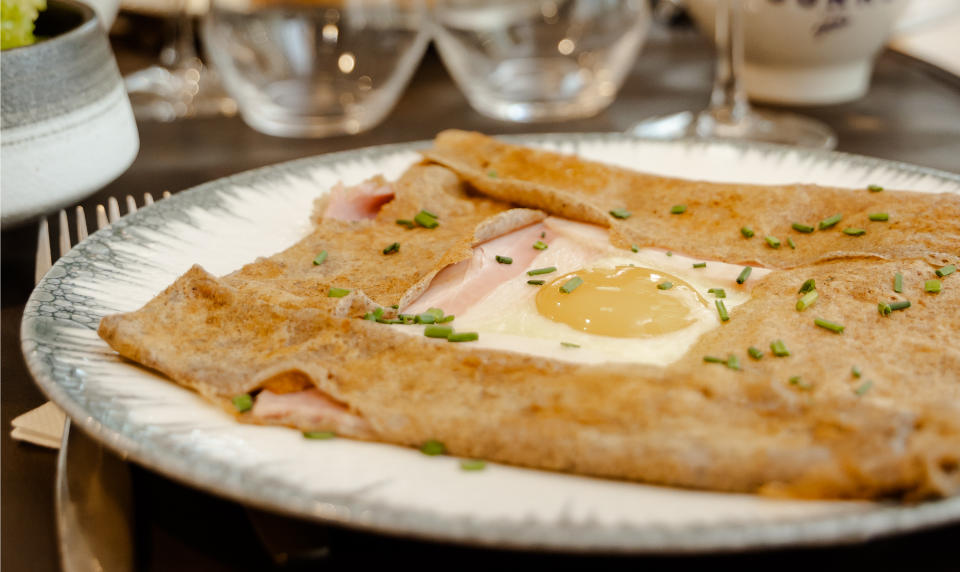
911,114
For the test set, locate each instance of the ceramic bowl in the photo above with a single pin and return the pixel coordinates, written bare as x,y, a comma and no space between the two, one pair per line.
66,126
808,52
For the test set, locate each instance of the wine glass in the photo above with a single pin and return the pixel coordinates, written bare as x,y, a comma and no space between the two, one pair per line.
179,84
729,115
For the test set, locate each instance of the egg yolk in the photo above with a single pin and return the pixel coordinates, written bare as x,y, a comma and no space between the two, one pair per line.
622,302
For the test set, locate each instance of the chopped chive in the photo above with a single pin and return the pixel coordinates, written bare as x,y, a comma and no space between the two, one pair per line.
808,285
850,231
746,231
807,300
699,264
779,348
320,258
543,234
374,315
722,310
504,259
712,359
755,353
243,402
431,316
463,337
791,243
446,319
773,241
428,213
426,219
799,383
733,362
391,321
828,325
337,292
744,274
864,387
718,292
571,285
886,307
434,331
800,227
874,188
932,286
678,209
634,248
669,253
392,249
830,221
538,271
946,270
855,371
405,222
620,213
878,217
395,306
569,345
665,285
540,245
900,305
472,464
319,434
433,448
898,283
492,174
536,282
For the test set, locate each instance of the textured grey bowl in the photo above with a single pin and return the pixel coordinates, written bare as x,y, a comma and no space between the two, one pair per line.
67,126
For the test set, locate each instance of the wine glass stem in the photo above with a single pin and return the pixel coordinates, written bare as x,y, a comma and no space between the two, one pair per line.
728,101
179,49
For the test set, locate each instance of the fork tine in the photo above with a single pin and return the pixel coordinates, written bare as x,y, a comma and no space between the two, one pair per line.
43,251
64,233
113,210
81,224
147,199
131,204
102,221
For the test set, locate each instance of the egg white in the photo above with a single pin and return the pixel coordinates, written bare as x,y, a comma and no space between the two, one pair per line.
507,317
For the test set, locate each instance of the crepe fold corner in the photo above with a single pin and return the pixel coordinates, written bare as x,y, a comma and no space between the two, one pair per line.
271,328
922,225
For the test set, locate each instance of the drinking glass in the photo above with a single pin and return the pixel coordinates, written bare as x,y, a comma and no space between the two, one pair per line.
539,60
729,115
178,85
313,68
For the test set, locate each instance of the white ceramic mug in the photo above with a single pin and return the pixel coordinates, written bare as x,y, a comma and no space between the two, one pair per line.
808,52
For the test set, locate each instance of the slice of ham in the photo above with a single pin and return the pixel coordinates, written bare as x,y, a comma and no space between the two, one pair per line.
461,285
308,410
359,202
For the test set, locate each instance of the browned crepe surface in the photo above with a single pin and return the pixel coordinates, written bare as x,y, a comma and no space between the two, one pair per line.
689,423
921,225
354,248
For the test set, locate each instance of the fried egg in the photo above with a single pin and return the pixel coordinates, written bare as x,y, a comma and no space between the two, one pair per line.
596,303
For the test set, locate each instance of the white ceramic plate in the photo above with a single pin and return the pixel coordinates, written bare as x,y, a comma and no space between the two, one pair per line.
226,223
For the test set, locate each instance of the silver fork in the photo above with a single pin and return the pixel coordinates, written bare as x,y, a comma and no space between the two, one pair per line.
93,489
